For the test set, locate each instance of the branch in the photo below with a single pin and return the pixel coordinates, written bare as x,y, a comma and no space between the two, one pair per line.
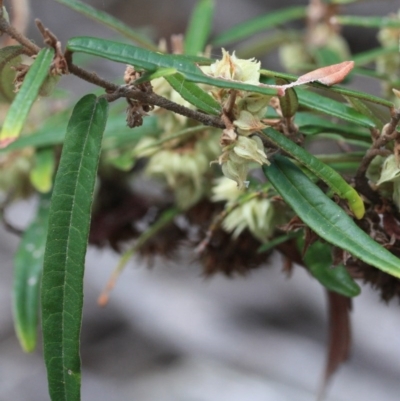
5,27
115,92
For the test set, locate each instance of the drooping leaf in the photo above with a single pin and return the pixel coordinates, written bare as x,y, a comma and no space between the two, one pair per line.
339,341
333,179
9,57
194,94
28,266
110,21
199,27
318,259
258,24
325,217
19,109
64,259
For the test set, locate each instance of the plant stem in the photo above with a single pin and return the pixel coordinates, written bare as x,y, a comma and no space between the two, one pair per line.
5,27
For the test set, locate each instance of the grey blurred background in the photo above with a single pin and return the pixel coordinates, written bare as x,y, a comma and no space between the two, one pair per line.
169,335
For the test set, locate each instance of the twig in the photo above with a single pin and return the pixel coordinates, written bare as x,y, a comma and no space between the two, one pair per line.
5,27
115,92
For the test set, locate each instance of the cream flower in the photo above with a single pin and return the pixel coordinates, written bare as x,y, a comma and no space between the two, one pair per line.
232,68
248,123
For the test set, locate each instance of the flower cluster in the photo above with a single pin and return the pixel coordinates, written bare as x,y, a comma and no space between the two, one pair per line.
240,147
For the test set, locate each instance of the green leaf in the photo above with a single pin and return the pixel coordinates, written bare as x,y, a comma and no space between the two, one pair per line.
160,73
253,26
19,109
363,108
333,108
333,179
41,175
28,266
9,57
199,27
318,259
194,94
325,217
288,102
151,61
368,22
369,56
52,132
326,56
277,241
311,124
110,21
64,259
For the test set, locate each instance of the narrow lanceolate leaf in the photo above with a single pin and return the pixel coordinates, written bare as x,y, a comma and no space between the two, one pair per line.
110,21
318,259
363,108
64,259
28,266
321,170
194,94
199,27
325,217
151,61
253,26
333,108
19,109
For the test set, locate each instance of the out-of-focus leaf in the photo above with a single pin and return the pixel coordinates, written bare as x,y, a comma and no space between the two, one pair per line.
321,170
318,259
64,258
110,21
258,24
9,57
326,56
19,109
28,266
277,241
41,175
361,59
199,27
368,22
325,217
